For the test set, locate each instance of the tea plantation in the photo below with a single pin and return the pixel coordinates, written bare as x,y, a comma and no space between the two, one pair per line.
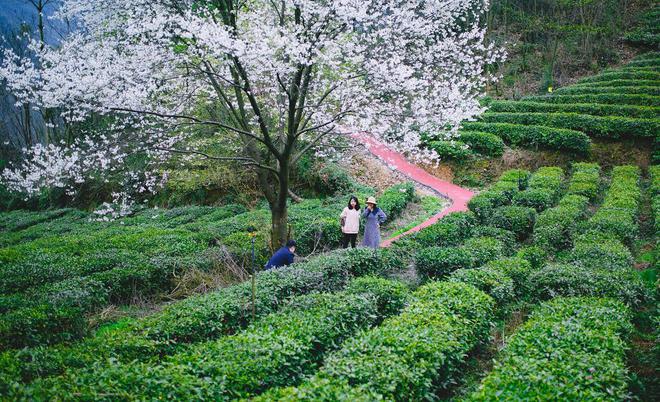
544,288
557,243
616,104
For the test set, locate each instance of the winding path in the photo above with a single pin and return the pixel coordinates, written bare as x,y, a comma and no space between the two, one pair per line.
458,196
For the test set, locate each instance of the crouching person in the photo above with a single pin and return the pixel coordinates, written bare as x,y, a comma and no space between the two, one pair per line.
283,257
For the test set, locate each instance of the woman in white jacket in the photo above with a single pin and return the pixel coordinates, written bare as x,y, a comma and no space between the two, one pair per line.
350,222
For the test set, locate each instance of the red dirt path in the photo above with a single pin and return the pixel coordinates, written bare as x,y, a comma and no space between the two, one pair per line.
458,196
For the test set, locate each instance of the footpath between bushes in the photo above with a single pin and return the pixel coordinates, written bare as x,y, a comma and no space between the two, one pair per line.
458,196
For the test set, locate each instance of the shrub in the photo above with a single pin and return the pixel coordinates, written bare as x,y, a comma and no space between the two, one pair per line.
322,390
535,255
483,204
41,324
391,296
491,281
654,190
465,220
120,344
548,178
516,268
614,99
535,136
395,199
519,220
555,228
518,176
483,249
599,126
330,178
574,280
438,262
569,349
450,150
506,237
618,214
634,111
483,143
606,254
507,188
539,199
585,180
441,234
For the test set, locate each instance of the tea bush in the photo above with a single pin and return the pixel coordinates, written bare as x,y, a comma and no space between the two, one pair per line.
575,280
493,282
605,98
483,143
618,214
569,349
634,111
519,220
535,136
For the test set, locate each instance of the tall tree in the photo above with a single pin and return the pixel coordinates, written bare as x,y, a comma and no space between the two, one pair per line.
286,74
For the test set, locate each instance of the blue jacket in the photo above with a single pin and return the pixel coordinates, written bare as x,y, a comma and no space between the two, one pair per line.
281,258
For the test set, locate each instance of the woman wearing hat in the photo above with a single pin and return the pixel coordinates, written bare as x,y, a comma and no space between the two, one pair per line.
374,217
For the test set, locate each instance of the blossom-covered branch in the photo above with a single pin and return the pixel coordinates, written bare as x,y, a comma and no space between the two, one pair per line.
279,73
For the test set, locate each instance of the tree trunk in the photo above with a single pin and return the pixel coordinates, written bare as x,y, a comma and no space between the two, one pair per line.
279,210
279,221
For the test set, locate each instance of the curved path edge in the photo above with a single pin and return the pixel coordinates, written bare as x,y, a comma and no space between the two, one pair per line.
458,196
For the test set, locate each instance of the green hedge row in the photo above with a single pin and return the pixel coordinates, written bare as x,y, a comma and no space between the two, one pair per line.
206,316
277,350
618,214
647,56
409,357
438,262
556,227
489,280
395,199
643,112
199,318
499,194
487,144
650,62
622,83
600,252
598,126
535,136
590,90
505,279
610,99
598,265
451,230
451,150
20,220
654,190
519,220
622,75
569,349
585,180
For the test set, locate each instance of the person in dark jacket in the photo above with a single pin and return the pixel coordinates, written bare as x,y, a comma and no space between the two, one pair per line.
283,256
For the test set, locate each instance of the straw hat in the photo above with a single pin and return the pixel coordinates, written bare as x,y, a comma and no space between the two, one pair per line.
371,200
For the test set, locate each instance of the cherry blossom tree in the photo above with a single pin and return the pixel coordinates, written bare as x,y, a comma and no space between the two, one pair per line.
285,75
